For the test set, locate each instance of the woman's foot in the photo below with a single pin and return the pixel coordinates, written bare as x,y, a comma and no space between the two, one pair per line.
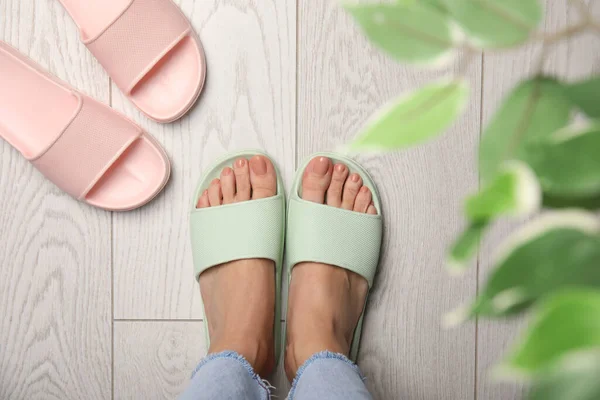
325,301
239,296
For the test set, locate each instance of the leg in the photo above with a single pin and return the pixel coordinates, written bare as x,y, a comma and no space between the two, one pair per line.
329,376
239,300
226,376
325,301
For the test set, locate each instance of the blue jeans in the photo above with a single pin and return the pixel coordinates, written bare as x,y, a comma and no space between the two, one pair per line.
324,376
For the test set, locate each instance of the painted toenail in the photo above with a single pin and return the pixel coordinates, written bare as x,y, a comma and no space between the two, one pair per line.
258,165
355,178
241,162
340,168
227,171
321,166
364,189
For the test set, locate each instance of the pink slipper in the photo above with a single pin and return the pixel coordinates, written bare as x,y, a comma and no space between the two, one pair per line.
86,148
148,48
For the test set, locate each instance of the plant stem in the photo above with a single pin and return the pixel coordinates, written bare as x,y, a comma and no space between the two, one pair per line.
468,56
539,70
586,24
568,32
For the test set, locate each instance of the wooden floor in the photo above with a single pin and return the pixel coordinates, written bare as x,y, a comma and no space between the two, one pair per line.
100,305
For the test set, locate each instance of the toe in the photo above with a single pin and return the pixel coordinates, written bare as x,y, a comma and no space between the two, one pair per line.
262,177
363,200
228,185
215,195
316,179
334,193
372,210
203,200
351,187
242,180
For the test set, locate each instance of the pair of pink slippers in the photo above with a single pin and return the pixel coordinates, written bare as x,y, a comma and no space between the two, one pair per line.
86,148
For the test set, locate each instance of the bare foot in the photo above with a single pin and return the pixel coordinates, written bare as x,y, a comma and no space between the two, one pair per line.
325,301
239,296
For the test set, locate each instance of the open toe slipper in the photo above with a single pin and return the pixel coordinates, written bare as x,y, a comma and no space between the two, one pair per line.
324,234
248,229
87,149
149,50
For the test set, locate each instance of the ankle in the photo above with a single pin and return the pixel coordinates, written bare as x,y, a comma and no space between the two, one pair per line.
298,352
258,352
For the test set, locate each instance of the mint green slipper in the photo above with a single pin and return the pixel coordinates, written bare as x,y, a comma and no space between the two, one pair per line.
250,229
329,235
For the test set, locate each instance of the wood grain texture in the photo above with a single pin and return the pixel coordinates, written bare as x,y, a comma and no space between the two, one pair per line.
342,80
155,359
55,253
55,271
570,60
248,102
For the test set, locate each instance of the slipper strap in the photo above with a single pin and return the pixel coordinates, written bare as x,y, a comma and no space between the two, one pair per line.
136,41
250,229
94,139
325,234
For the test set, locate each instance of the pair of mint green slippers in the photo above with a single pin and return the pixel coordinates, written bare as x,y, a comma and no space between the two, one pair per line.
315,232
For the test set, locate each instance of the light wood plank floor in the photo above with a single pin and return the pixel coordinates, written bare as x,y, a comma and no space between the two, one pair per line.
99,305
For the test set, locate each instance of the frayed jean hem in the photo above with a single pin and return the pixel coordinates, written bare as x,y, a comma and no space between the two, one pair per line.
232,355
323,355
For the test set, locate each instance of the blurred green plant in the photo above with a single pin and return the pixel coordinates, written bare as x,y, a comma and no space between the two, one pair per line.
532,155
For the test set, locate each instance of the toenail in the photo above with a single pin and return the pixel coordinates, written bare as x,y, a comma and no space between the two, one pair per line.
227,171
205,193
355,177
321,166
241,162
340,167
215,181
258,165
364,189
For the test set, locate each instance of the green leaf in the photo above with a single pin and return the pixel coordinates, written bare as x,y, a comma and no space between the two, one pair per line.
514,191
496,23
465,247
576,378
558,250
568,163
414,33
586,95
566,324
414,118
591,203
437,4
533,111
